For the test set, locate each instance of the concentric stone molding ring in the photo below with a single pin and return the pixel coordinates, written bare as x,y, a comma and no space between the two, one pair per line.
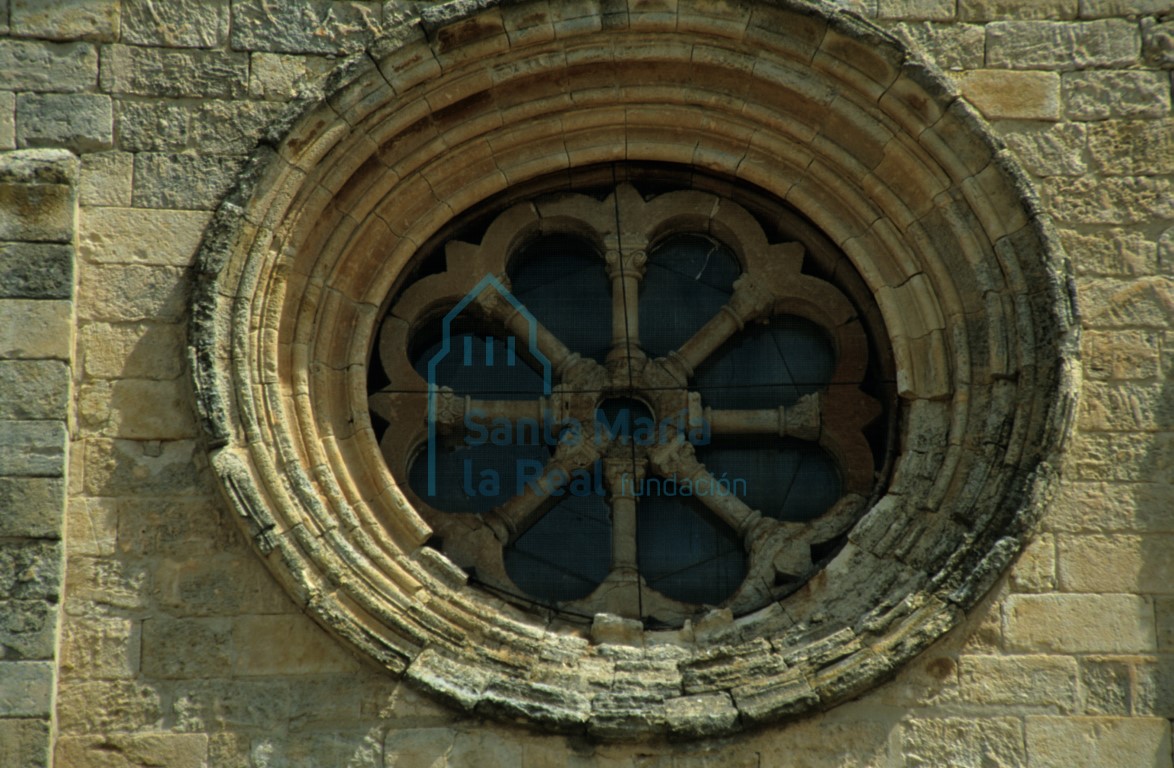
475,101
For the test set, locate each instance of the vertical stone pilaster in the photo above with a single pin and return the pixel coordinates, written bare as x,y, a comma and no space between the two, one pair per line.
38,214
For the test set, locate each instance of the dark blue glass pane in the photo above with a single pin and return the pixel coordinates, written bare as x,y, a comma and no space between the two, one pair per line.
477,478
566,554
768,365
481,366
685,553
562,281
784,479
689,278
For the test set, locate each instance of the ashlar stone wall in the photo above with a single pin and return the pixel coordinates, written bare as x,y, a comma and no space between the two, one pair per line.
138,628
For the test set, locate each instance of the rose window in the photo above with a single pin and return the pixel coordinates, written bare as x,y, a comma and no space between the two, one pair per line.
629,405
453,380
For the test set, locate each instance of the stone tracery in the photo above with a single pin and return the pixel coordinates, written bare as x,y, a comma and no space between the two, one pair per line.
627,226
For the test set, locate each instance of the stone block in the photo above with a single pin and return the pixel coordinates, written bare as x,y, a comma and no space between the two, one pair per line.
916,10
26,688
1080,623
187,648
1117,563
140,409
33,507
1035,569
103,706
231,127
120,293
1096,95
140,235
74,20
28,630
1142,302
92,525
1063,46
1132,147
103,583
36,212
1106,686
1124,355
7,120
31,328
1165,264
30,569
927,681
703,715
1046,149
821,741
37,65
354,744
305,26
195,585
1126,407
186,529
1110,252
34,389
473,749
1113,200
93,408
228,749
25,742
962,741
1019,681
157,125
1091,9
1154,686
32,448
1164,610
36,271
1157,42
417,747
287,645
244,706
1122,456
278,77
1011,94
106,179
1095,742
994,10
139,468
132,350
174,72
190,181
175,23
39,166
952,47
1084,507
127,750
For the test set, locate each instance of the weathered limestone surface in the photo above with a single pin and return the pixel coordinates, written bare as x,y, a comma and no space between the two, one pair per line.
173,645
37,275
82,122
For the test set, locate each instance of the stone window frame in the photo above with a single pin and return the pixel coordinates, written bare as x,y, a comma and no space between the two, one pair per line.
623,228
469,100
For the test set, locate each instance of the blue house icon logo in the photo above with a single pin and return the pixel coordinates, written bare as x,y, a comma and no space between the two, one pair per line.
487,282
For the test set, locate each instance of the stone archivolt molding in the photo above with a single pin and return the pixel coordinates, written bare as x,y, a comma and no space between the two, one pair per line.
473,102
